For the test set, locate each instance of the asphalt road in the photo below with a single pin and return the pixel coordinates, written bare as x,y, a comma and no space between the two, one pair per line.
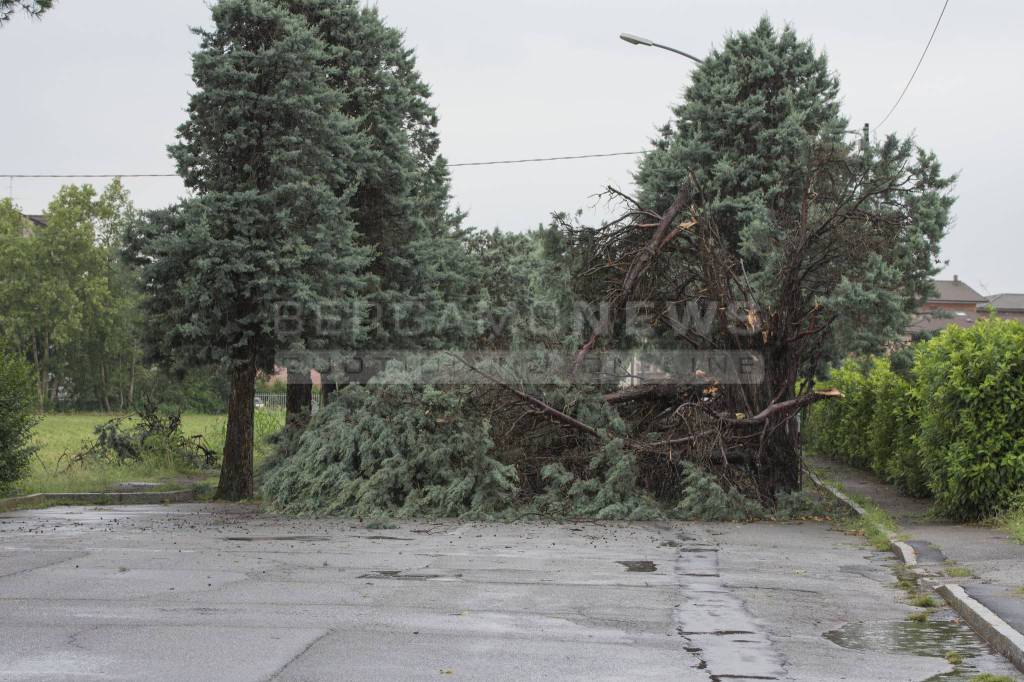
195,592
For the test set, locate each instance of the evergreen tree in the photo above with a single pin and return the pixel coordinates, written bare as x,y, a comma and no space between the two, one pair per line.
401,206
760,134
819,235
272,160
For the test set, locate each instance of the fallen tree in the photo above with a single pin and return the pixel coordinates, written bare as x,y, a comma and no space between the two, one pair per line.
760,232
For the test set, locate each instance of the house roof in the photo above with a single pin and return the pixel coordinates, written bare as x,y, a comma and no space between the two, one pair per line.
933,322
955,291
35,219
1005,302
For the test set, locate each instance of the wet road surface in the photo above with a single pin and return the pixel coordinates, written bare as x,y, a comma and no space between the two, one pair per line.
222,592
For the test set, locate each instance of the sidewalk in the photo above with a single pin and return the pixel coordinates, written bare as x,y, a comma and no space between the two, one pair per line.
995,560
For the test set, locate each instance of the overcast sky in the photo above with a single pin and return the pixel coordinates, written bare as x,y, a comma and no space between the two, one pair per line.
99,86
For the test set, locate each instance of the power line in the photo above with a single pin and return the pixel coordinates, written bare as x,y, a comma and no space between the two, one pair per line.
546,158
451,165
88,175
919,61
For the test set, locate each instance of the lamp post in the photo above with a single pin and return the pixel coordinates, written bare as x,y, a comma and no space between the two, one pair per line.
637,40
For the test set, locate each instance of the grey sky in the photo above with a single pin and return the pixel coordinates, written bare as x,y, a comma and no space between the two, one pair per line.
100,85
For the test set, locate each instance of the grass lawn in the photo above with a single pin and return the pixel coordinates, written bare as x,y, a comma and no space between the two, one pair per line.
57,434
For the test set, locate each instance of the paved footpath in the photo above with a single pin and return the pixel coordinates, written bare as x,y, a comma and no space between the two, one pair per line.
220,592
995,560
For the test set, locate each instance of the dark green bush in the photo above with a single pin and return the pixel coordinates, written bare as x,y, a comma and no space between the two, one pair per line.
873,426
970,383
954,430
17,418
892,429
838,428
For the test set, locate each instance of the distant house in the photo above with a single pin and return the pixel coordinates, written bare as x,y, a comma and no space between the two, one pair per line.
1006,306
280,376
35,220
953,302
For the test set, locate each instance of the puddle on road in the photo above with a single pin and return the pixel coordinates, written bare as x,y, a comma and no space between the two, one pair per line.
639,566
931,638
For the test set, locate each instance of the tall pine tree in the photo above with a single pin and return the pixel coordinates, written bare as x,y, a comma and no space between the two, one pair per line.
401,207
272,160
828,239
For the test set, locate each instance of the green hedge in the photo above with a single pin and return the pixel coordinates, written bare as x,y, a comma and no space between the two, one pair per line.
970,384
17,417
953,429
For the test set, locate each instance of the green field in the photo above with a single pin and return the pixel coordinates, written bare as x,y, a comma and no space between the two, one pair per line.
57,434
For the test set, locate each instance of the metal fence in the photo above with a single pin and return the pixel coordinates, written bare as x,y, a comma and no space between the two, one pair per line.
270,401
278,401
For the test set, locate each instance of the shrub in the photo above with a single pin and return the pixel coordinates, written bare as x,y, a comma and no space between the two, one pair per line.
891,430
873,426
838,428
150,435
17,418
970,383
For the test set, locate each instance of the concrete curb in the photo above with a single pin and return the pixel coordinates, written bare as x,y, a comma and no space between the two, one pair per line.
166,497
990,627
901,549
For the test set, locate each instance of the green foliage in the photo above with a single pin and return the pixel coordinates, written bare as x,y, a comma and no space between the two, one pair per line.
269,222
33,8
1013,520
971,386
894,454
873,425
847,228
203,390
703,499
836,428
393,449
68,302
400,204
954,430
17,418
609,491
149,436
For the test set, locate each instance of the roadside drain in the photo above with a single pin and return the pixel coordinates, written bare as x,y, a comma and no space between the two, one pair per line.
937,638
639,566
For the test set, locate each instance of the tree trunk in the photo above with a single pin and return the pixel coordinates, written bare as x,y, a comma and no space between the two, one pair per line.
327,388
104,388
236,469
131,381
779,470
299,401
40,384
779,465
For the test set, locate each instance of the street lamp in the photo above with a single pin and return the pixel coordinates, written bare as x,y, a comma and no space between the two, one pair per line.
637,40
